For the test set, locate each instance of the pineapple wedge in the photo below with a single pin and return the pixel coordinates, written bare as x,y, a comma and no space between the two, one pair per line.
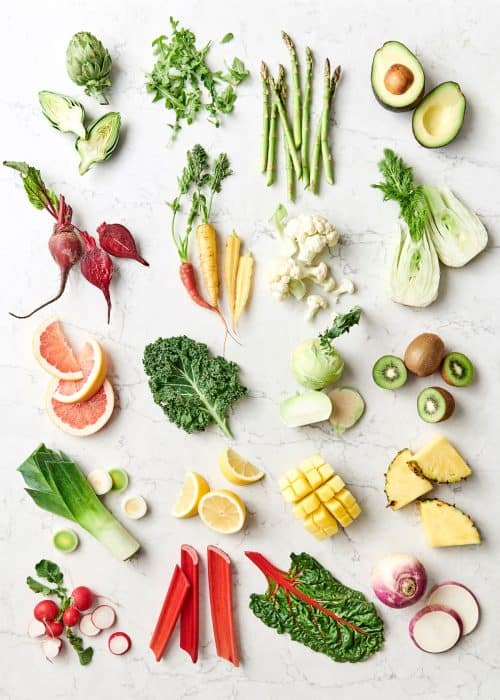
439,461
404,481
445,525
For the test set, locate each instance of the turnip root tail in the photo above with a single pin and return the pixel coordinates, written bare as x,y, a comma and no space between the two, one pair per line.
64,277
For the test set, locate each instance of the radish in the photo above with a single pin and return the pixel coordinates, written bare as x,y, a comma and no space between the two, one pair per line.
82,598
46,610
119,643
103,617
458,598
436,628
36,628
71,616
399,580
87,627
51,647
54,628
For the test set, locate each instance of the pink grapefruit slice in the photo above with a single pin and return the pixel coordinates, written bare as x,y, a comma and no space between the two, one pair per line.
94,365
82,418
53,351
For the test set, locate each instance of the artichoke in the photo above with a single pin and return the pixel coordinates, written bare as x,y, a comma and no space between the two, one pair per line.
101,140
88,63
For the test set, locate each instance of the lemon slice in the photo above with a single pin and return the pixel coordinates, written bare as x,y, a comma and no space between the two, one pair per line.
222,511
237,470
193,488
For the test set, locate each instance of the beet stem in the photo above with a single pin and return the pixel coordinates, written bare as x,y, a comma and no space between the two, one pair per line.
64,277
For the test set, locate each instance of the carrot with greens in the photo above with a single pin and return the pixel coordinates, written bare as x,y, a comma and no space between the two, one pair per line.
221,604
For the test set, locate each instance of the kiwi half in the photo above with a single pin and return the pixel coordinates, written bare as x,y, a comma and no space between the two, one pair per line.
457,369
389,372
435,404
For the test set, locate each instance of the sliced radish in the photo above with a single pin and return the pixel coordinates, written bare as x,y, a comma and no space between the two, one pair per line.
457,597
119,643
36,628
103,617
436,628
51,647
87,627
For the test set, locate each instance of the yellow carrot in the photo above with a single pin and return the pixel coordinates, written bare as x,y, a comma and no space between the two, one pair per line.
243,284
231,261
207,249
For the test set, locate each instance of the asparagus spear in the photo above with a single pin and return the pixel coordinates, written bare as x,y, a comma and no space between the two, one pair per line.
316,159
286,128
272,138
265,115
325,122
290,176
296,95
306,117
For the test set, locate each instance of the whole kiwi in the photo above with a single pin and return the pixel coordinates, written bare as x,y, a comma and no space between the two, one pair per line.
424,354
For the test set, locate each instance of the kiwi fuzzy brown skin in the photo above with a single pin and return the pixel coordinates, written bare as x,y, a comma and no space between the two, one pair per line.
448,399
424,354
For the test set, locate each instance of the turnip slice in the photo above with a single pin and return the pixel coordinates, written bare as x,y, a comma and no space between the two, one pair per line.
87,627
457,597
119,643
305,409
103,617
36,628
435,628
51,647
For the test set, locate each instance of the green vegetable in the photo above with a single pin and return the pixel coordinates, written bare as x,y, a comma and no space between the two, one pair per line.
38,194
272,138
193,388
341,324
290,176
330,89
266,116
49,571
286,128
55,483
65,540
456,231
180,72
306,118
119,477
89,64
101,140
296,93
317,610
63,112
227,38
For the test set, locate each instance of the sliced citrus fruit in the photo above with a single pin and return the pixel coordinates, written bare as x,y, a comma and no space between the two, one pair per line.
53,352
193,488
82,418
94,365
222,511
236,469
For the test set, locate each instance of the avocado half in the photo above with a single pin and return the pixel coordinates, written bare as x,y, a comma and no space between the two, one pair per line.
439,117
398,79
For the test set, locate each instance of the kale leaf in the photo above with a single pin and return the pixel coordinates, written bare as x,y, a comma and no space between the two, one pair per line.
193,388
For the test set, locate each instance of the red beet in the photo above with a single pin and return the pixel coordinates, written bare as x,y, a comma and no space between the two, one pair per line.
65,248
117,240
96,267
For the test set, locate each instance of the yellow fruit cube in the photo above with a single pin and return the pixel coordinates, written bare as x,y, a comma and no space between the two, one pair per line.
311,526
289,494
328,490
354,510
324,520
306,506
301,488
317,460
337,509
314,478
346,498
326,472
283,482
337,483
293,474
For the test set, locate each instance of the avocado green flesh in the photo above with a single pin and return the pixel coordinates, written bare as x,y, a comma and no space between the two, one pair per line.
390,54
439,117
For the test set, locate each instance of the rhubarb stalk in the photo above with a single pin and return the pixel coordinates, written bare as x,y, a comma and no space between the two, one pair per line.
190,610
172,605
221,604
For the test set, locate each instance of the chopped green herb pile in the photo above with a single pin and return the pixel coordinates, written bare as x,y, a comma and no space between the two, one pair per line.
193,388
180,73
49,571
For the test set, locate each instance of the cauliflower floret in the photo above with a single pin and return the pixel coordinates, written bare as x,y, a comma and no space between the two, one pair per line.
310,234
314,302
345,287
321,275
286,279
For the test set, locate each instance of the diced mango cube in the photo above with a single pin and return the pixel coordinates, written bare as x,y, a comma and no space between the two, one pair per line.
346,498
337,483
326,472
337,509
314,478
283,482
293,474
306,506
354,510
301,487
289,495
317,460
324,519
310,525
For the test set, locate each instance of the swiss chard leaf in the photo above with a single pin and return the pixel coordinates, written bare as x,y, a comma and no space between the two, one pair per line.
354,633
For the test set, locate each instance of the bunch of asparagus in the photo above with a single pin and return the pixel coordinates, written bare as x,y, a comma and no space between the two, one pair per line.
299,162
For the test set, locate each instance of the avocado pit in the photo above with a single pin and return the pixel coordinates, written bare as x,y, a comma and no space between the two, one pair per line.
398,79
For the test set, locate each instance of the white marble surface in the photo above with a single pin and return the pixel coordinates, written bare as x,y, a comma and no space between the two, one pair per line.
455,40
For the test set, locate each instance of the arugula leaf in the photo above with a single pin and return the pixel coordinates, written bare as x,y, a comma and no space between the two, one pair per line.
38,194
341,324
227,38
317,610
84,654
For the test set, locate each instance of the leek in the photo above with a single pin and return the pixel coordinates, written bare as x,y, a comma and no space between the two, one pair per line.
414,270
456,231
57,485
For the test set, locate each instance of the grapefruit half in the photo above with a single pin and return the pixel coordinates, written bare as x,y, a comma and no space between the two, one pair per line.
94,365
82,418
53,352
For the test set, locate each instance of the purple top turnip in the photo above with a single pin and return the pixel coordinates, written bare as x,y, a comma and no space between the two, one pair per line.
399,580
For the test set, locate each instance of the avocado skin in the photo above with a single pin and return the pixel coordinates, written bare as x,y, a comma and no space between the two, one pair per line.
453,134
390,108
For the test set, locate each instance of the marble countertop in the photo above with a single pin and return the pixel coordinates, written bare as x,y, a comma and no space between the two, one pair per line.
455,41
